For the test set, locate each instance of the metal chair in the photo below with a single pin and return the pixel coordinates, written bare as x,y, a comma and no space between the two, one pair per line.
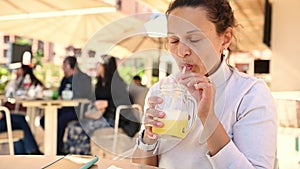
117,119
11,135
113,140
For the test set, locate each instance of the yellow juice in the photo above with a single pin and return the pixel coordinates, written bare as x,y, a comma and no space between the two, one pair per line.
172,127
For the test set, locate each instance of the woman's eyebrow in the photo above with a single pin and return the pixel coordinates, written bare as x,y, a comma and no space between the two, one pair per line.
193,31
188,32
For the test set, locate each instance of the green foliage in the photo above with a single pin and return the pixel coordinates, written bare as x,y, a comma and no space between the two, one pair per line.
4,78
23,41
125,73
37,58
154,79
50,74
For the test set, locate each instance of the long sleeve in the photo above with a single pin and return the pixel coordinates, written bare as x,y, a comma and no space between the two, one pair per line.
245,108
254,133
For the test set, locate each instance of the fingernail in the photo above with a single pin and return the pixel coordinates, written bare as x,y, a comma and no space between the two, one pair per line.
161,114
154,136
159,124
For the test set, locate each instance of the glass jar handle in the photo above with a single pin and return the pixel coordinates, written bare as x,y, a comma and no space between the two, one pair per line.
194,114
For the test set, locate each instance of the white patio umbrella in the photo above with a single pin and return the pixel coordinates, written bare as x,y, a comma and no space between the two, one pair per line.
70,30
250,17
132,33
60,21
17,7
131,36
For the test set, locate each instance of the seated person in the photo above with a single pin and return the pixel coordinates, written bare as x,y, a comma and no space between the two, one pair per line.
17,87
137,91
81,86
137,80
27,145
110,87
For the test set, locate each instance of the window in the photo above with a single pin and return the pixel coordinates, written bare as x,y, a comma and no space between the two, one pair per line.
6,39
77,52
41,45
5,53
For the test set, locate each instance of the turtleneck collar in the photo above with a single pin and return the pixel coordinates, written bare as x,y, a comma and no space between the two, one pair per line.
221,75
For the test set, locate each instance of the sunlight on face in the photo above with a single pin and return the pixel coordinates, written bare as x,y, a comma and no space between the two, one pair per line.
193,40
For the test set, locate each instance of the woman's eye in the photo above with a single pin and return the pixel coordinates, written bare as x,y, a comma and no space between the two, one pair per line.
173,40
194,40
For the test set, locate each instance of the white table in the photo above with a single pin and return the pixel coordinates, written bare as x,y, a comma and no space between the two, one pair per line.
50,107
38,161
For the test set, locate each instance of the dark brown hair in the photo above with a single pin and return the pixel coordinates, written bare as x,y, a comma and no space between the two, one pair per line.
110,68
218,11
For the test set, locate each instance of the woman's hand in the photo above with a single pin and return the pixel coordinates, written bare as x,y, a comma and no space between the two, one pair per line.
202,90
98,111
100,104
153,117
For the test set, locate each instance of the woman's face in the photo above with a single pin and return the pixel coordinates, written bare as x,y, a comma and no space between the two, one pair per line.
193,40
100,70
19,72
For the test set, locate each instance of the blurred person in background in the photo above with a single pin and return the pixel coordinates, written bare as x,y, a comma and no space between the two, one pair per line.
81,86
110,92
137,80
26,145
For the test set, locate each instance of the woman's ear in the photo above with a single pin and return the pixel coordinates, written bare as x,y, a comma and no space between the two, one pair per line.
228,35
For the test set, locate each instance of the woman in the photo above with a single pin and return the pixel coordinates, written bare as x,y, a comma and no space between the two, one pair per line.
18,83
236,118
27,145
34,81
110,91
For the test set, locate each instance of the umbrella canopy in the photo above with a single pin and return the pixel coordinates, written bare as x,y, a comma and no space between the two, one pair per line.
70,30
56,21
250,17
127,32
128,35
17,7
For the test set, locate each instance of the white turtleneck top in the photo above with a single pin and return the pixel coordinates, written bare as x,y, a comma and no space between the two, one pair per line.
245,107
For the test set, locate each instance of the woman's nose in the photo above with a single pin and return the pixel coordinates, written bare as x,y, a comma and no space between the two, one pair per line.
183,50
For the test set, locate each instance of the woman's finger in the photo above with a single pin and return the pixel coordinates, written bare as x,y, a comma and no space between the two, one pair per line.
150,134
153,101
203,86
191,78
151,112
153,117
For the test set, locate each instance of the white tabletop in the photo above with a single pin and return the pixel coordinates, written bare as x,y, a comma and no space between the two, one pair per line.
37,162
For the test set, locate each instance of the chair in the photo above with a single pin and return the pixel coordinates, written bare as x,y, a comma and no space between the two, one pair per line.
10,136
114,141
117,119
137,94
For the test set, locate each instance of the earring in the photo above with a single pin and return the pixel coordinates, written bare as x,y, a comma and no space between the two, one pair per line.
224,53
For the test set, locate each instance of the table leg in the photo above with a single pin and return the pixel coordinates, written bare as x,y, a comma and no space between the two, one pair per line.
50,130
31,114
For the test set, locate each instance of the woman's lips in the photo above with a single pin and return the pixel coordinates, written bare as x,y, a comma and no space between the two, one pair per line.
188,67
